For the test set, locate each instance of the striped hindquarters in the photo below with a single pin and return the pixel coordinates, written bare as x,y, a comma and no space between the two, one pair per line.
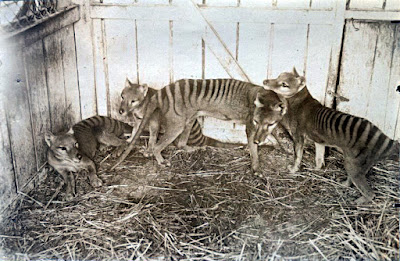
196,137
85,130
356,135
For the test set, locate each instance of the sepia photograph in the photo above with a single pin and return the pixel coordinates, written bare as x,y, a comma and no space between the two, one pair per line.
199,130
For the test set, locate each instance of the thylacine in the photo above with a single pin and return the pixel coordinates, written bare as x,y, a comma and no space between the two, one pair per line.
362,143
74,151
180,103
131,107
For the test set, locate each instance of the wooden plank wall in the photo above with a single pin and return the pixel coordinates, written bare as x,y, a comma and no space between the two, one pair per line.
374,5
40,92
370,73
158,52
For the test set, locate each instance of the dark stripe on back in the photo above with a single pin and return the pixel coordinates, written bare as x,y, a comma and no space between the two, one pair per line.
353,124
360,131
326,121
388,147
337,123
379,143
322,119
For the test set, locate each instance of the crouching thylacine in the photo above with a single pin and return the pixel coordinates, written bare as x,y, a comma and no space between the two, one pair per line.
361,142
74,151
180,103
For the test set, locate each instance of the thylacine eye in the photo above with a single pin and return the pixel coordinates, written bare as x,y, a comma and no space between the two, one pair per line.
122,97
284,84
132,101
62,148
255,122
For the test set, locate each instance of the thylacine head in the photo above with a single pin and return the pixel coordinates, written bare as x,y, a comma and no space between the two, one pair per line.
63,150
132,98
287,84
267,114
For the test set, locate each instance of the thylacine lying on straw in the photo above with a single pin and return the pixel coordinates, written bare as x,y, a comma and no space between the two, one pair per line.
132,109
362,143
74,151
180,103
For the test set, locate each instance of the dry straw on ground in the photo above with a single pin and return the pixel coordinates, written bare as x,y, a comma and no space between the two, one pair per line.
208,206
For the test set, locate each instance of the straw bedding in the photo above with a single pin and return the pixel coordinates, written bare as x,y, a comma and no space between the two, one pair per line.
208,206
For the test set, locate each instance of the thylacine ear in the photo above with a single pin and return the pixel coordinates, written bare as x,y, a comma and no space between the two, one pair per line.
49,137
144,88
127,82
281,107
295,72
302,80
257,101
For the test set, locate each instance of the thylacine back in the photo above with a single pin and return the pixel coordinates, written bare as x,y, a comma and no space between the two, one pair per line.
180,103
362,143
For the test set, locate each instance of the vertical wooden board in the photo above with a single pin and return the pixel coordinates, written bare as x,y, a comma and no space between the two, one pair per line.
55,81
7,182
153,52
71,85
254,42
19,124
256,3
7,178
289,48
187,50
85,62
357,66
379,88
221,2
323,4
121,52
293,4
35,67
318,56
100,72
228,34
393,98
392,5
366,4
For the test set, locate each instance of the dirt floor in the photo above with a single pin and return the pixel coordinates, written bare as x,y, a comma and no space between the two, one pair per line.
208,206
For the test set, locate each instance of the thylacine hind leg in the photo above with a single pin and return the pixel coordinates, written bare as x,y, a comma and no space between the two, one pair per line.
110,139
356,174
184,137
